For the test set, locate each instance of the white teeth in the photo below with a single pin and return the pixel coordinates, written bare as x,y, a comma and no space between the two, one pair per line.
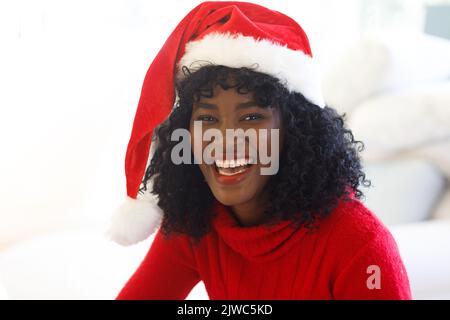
233,163
226,173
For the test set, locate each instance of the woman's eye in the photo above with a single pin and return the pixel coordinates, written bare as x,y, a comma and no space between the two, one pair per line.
253,116
206,118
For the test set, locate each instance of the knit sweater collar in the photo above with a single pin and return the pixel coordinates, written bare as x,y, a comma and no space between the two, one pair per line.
255,243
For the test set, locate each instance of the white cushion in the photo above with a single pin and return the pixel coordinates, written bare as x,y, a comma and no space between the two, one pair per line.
405,120
356,75
415,59
385,62
403,191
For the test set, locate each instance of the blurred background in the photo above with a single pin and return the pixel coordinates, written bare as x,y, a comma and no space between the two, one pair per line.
70,79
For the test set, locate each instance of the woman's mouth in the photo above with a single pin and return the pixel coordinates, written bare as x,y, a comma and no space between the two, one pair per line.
232,167
232,171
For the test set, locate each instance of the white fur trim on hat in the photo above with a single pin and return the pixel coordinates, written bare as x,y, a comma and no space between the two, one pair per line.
294,68
135,220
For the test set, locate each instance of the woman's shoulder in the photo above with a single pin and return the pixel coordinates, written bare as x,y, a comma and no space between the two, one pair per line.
359,246
352,225
353,217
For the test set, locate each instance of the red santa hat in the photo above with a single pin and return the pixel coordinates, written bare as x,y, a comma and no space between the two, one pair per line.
233,34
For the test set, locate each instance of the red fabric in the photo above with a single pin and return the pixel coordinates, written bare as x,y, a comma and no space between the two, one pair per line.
158,92
276,262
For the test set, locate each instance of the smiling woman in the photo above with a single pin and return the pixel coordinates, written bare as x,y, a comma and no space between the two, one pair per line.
298,233
319,161
241,186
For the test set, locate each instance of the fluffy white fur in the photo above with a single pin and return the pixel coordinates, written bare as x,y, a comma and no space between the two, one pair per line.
296,69
135,220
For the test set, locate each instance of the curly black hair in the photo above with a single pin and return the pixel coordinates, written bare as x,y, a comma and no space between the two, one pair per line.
319,161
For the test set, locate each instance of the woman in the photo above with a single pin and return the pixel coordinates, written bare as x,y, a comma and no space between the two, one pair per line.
269,215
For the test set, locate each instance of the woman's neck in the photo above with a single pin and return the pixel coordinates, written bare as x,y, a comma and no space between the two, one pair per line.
251,213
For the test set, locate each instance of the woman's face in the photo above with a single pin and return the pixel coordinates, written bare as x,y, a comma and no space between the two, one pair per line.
228,109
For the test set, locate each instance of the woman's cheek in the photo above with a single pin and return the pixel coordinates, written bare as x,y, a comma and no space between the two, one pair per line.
268,150
197,146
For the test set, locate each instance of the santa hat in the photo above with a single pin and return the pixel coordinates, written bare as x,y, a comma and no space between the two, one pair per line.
233,34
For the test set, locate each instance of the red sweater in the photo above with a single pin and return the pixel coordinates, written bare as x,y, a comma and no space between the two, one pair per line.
332,262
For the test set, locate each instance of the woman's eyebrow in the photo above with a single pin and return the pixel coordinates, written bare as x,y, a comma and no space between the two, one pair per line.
205,105
247,104
211,106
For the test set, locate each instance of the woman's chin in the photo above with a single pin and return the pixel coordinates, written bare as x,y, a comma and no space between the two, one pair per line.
230,198
233,197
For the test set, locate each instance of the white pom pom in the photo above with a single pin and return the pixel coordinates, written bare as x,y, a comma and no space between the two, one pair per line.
135,220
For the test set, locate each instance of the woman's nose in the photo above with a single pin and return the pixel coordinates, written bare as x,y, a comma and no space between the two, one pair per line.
225,124
232,137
